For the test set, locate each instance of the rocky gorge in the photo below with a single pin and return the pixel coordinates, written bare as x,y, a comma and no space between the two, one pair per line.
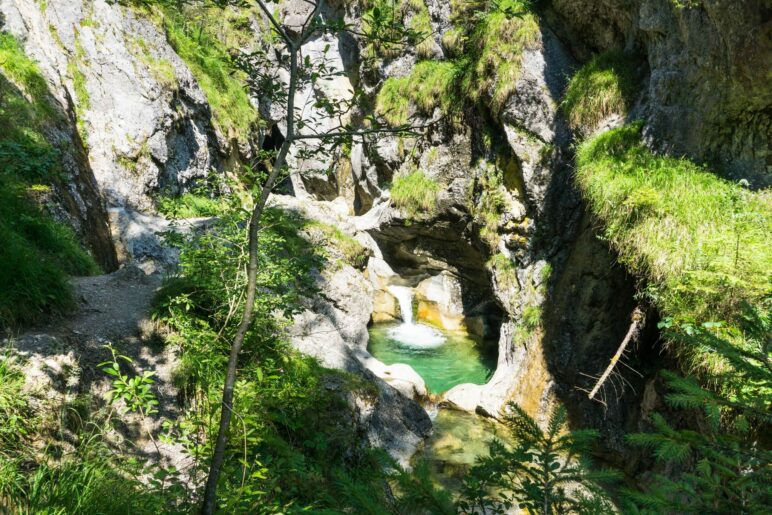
474,228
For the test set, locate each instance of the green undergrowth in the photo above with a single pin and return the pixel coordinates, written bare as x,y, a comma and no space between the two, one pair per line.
38,252
191,205
608,84
293,443
396,25
490,44
486,44
40,475
701,242
416,193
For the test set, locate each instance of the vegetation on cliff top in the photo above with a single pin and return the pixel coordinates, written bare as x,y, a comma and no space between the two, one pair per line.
701,242
429,86
416,193
37,252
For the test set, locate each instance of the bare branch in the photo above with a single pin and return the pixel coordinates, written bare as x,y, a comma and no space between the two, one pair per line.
638,319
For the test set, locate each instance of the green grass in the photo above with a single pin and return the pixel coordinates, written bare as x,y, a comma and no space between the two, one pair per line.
354,253
702,243
190,205
208,59
386,21
494,48
430,85
415,193
606,85
37,252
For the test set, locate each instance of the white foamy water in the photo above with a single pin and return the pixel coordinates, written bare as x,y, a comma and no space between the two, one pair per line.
410,334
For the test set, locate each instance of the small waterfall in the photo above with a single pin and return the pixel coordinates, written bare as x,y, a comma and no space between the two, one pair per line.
409,333
404,296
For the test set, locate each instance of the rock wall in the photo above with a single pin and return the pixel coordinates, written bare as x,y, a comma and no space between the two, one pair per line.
708,92
143,120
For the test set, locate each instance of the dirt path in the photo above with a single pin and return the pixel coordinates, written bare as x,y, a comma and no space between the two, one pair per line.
61,358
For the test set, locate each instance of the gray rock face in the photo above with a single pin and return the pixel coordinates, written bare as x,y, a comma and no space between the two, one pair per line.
146,119
333,329
143,118
708,94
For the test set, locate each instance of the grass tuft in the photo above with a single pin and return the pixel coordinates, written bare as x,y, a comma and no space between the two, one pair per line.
429,86
416,193
701,242
606,85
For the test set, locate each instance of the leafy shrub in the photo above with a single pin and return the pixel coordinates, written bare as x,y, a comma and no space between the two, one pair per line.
545,471
725,466
416,193
606,85
190,205
290,446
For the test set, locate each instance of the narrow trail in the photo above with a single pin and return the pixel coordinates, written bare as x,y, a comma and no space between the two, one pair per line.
61,357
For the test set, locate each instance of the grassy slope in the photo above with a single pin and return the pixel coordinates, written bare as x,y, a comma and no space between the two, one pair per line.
37,252
701,242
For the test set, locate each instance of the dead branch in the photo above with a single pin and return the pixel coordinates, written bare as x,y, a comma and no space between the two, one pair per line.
637,322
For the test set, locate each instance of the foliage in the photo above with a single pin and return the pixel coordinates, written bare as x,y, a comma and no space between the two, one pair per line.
606,85
489,204
354,253
290,447
495,40
195,204
90,479
700,241
725,466
428,87
133,391
416,193
37,252
202,35
393,26
544,472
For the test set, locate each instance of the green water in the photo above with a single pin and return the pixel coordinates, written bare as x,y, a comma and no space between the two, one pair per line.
459,360
456,442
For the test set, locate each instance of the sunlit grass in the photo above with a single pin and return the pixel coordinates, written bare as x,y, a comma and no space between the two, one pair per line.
701,242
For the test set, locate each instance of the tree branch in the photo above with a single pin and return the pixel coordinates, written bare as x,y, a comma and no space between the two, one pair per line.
638,319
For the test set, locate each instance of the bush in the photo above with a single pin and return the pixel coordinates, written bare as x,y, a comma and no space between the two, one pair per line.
608,84
701,242
415,193
291,448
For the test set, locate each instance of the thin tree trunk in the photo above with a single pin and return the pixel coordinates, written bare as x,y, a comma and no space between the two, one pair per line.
218,456
635,328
